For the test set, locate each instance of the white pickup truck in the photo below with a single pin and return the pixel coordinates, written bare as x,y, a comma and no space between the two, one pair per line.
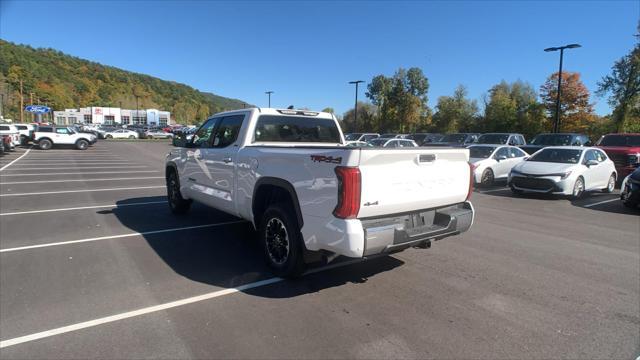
47,136
309,196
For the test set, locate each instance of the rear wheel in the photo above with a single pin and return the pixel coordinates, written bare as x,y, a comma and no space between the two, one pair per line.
109,137
487,178
611,184
45,144
177,203
131,137
82,144
578,188
149,136
281,241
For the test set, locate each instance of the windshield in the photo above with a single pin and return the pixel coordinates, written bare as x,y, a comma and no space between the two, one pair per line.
481,152
552,140
351,137
564,156
620,140
71,131
493,139
454,138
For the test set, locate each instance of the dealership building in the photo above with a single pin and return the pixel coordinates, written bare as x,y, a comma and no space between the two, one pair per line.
112,116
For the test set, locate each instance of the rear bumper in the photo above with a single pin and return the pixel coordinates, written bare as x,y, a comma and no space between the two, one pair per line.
367,237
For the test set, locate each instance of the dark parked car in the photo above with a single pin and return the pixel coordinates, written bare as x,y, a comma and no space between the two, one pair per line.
561,139
502,139
630,190
424,138
457,140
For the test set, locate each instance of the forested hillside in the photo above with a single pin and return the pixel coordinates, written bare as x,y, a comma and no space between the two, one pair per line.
64,81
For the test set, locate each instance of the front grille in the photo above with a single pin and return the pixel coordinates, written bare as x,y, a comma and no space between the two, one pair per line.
620,160
533,183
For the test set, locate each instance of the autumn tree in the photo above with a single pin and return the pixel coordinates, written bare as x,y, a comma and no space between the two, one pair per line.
366,118
623,85
455,113
401,99
513,107
575,108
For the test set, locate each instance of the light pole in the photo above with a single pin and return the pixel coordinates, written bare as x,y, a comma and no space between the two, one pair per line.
556,123
137,114
355,111
269,94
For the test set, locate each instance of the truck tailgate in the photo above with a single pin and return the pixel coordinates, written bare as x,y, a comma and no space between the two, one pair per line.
404,180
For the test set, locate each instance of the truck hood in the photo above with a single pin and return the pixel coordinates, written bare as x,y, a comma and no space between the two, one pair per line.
621,149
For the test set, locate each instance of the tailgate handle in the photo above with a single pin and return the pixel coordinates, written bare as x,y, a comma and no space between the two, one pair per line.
427,157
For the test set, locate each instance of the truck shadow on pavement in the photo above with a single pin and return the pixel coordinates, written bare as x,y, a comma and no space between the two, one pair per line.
227,255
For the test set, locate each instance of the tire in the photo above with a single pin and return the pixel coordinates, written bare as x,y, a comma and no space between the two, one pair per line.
45,144
487,178
177,203
82,144
109,137
149,136
131,137
578,188
611,185
281,241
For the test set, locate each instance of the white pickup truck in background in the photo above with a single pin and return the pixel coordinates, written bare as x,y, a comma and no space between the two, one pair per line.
307,194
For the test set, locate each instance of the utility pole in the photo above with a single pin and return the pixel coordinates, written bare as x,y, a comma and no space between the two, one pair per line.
1,105
21,103
556,123
137,114
269,94
31,103
355,115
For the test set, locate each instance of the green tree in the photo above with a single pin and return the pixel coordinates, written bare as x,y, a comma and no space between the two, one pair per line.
623,85
366,118
455,113
329,110
513,107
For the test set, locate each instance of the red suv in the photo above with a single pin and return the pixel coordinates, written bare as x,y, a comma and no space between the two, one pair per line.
623,150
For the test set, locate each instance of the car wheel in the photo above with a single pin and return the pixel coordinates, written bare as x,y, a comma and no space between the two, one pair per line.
149,136
45,144
131,137
82,144
487,178
281,241
177,203
109,137
611,184
578,188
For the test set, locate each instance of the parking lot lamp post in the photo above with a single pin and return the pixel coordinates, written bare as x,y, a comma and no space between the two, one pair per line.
355,111
269,94
556,124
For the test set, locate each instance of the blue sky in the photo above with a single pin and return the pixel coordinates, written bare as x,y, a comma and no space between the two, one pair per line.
308,51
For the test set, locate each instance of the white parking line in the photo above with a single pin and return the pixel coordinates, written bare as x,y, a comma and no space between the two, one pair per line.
160,307
9,164
601,202
83,167
111,237
83,208
82,173
111,163
84,190
30,161
75,180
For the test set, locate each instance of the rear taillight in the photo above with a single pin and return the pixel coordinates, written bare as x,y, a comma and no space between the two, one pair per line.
472,169
348,192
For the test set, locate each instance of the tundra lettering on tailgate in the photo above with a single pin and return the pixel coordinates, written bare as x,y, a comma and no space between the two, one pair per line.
327,159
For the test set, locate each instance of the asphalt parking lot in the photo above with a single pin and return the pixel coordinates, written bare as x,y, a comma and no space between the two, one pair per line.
93,265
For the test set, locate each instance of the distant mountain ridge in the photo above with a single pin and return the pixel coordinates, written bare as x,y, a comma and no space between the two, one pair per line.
65,81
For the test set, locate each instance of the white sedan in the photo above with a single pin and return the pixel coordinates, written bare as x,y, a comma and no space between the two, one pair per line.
493,162
121,134
566,170
392,143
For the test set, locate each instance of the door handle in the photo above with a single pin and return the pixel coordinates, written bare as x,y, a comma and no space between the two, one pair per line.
226,160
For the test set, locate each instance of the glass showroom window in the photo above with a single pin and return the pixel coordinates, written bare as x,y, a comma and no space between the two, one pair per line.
109,119
163,121
60,120
88,119
125,120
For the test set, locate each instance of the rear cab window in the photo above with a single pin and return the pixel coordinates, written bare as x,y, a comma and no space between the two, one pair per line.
292,129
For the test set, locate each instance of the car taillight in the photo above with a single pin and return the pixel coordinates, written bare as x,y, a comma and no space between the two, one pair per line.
472,169
349,186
